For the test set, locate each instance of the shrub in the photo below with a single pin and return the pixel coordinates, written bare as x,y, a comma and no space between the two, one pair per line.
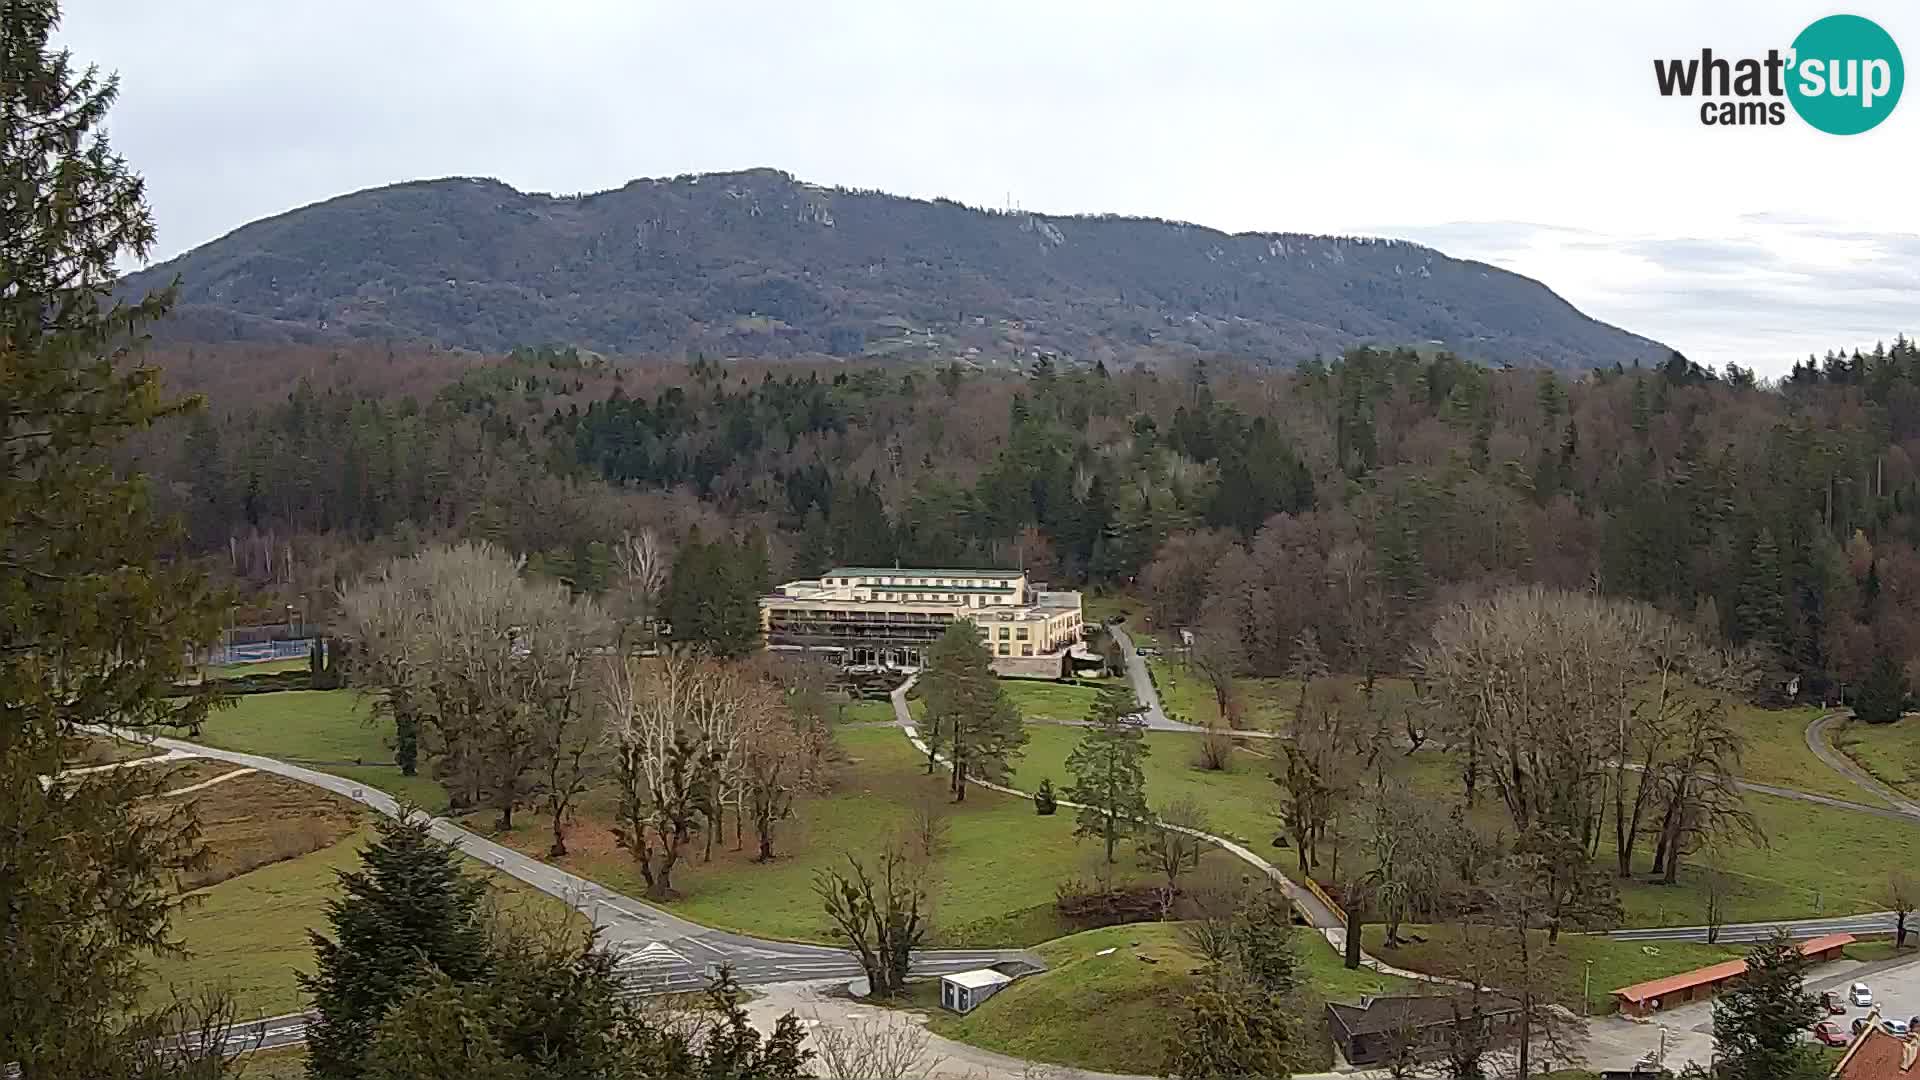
1044,802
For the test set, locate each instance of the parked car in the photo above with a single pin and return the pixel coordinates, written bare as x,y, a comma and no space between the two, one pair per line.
1833,1005
1860,996
1859,1024
1828,1033
1895,1027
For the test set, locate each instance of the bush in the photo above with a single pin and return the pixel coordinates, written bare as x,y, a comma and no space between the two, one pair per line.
1044,802
267,682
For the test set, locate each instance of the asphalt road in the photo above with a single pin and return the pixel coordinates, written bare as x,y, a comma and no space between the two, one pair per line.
1155,716
660,952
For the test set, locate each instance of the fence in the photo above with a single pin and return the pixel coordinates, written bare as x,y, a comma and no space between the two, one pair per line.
259,652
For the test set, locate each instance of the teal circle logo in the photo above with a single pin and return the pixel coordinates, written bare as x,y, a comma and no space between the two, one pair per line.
1846,75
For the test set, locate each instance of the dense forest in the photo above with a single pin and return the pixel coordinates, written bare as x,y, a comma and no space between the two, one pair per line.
756,263
1347,498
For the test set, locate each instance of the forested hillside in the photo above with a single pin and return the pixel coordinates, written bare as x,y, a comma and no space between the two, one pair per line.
1346,498
758,264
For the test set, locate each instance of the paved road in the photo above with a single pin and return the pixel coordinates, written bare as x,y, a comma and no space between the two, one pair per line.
1881,922
1840,763
660,951
1156,717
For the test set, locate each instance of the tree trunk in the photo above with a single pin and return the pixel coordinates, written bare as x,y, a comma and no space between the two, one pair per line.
765,829
559,848
1354,926
506,817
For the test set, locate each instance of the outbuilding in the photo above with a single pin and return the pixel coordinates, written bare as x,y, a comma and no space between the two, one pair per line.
1642,1000
964,992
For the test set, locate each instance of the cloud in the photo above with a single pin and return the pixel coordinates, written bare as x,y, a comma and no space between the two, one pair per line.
1768,290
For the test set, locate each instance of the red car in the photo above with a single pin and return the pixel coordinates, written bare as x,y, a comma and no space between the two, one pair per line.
1831,1034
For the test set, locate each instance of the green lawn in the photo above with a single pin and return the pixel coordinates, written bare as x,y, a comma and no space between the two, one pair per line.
1115,1013
1616,964
1101,608
249,934
264,667
1240,802
1183,694
1049,701
866,712
335,731
1891,752
1777,754
983,894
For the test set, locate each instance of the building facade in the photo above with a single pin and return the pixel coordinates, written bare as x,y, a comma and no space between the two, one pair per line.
888,617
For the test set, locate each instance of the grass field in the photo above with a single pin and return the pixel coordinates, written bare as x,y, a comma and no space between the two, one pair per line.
1891,752
264,667
1777,754
1049,701
1240,802
982,894
333,730
249,934
1115,1013
1615,963
866,712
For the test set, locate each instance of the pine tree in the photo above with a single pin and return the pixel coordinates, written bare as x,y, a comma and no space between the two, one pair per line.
969,718
1758,1022
1760,615
93,626
1882,698
711,603
1108,781
408,910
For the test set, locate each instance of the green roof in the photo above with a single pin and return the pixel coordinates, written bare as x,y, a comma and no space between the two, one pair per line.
904,571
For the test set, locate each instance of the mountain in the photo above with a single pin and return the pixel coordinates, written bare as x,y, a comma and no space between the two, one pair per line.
757,263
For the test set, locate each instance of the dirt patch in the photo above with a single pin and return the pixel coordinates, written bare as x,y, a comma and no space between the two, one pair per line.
260,819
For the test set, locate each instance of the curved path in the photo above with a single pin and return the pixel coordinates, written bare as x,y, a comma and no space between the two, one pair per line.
1324,920
660,950
1845,766
1877,922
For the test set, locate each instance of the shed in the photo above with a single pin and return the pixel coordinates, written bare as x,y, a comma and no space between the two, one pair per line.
1645,999
963,992
1379,1027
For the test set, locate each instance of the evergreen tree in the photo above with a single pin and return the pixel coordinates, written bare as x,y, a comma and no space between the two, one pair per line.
1108,782
1882,698
1758,1023
93,626
969,718
711,603
409,910
1760,615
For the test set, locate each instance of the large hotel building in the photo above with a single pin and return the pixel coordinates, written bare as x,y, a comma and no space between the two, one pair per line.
880,617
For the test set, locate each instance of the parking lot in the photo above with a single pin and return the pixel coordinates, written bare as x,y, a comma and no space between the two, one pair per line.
1617,1043
1895,986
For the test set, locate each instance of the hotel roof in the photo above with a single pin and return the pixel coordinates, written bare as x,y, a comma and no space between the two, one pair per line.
906,571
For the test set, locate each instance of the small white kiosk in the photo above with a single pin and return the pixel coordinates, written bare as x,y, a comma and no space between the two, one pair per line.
963,992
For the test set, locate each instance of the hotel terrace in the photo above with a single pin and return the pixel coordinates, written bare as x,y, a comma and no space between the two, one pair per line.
881,617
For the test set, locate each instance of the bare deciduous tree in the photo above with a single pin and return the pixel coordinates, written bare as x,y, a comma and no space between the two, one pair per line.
1901,896
889,1047
881,915
1173,849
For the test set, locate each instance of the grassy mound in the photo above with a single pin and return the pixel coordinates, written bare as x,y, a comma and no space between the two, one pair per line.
1116,1012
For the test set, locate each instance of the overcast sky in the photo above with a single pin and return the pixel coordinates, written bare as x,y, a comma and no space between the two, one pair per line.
1527,134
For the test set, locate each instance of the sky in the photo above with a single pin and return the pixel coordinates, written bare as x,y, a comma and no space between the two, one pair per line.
1526,134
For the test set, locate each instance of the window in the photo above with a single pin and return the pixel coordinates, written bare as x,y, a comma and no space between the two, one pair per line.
1003,633
1021,633
1003,648
1026,650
